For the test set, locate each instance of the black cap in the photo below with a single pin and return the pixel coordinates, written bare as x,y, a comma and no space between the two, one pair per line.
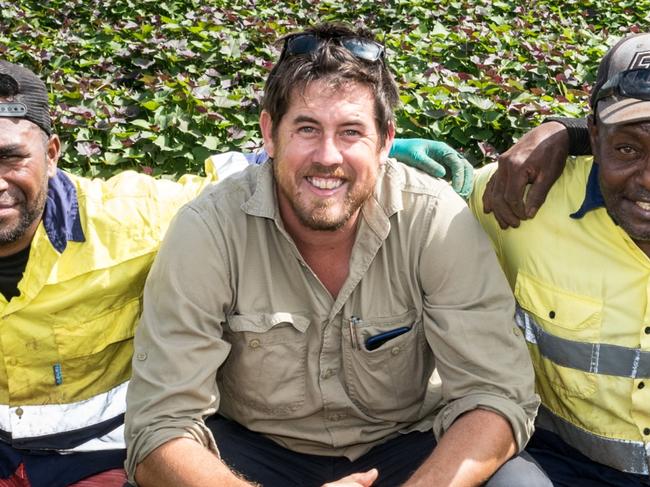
631,52
24,95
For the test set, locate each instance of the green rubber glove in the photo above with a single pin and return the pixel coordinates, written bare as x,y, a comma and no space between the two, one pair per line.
434,158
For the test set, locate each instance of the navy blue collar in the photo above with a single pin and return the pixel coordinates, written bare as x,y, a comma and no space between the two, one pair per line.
593,197
61,215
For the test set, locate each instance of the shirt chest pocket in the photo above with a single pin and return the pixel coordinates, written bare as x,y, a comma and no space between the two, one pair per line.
561,328
79,339
387,380
95,354
266,368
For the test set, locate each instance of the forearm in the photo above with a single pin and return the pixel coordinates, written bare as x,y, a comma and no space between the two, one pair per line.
578,142
185,463
471,450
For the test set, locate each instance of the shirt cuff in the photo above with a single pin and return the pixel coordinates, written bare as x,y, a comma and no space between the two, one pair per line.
520,416
578,132
151,438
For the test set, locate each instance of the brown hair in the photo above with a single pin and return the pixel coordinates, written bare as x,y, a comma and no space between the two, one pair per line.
337,66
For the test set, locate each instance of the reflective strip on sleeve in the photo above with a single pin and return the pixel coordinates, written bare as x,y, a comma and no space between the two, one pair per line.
625,455
595,358
112,441
24,422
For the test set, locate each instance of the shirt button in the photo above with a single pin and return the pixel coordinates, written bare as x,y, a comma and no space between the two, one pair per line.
328,373
254,343
141,356
395,350
335,417
641,385
647,330
19,412
551,314
516,331
646,431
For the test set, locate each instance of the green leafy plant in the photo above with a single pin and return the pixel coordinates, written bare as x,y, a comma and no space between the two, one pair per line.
159,85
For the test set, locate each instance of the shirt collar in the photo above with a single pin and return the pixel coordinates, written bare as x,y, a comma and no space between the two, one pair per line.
61,215
262,202
593,196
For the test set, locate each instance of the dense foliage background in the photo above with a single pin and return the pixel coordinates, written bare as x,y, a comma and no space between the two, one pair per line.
158,85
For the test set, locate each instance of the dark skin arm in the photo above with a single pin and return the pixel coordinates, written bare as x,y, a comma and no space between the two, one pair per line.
537,159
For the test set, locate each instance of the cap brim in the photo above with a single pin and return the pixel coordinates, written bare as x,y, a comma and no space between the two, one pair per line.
618,111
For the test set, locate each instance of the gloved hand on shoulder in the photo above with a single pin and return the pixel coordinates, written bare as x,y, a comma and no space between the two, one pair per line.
434,158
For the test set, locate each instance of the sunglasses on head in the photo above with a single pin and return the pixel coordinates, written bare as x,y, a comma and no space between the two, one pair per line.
631,83
365,49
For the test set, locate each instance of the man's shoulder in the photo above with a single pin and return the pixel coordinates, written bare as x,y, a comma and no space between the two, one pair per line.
410,191
124,184
232,191
418,207
566,194
412,180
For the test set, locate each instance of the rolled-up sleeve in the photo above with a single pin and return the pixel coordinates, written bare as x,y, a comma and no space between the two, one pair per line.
178,344
480,353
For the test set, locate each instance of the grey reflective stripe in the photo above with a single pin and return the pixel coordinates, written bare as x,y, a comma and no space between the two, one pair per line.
596,358
625,455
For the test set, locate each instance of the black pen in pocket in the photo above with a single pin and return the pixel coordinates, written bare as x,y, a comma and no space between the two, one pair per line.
376,341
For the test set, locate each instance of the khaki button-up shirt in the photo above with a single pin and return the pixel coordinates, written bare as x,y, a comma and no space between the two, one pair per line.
235,321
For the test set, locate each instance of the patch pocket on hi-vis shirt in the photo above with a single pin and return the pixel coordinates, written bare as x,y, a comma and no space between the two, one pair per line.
82,338
561,320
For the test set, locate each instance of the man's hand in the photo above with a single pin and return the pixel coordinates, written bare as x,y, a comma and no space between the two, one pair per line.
364,479
537,159
435,158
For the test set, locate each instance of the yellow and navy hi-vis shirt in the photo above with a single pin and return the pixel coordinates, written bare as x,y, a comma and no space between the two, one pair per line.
582,287
66,339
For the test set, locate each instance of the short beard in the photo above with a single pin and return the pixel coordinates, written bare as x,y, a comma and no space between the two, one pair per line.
28,215
316,218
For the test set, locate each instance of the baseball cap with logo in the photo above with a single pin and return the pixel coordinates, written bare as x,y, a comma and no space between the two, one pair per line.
622,91
24,95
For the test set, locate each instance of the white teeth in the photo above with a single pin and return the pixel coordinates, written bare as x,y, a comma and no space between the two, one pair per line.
325,183
644,205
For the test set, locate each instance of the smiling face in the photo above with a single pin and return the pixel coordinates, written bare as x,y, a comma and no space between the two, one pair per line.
27,161
326,154
623,155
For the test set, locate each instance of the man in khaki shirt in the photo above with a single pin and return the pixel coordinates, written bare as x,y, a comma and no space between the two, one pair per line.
317,316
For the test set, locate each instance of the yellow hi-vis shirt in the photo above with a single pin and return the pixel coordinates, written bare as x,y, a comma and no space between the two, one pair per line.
66,340
582,288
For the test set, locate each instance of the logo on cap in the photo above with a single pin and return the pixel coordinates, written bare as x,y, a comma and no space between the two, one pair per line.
13,109
640,60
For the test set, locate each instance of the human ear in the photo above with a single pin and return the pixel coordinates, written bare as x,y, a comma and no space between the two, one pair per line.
266,126
53,152
593,136
388,143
